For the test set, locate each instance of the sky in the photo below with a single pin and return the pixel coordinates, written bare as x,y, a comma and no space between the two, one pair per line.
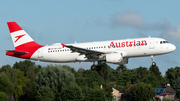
67,21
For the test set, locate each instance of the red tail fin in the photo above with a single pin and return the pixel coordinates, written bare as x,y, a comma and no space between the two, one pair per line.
22,41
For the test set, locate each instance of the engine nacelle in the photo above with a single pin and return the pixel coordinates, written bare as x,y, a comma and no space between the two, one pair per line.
116,58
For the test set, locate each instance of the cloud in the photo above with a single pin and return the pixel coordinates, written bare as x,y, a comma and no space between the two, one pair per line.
173,33
133,19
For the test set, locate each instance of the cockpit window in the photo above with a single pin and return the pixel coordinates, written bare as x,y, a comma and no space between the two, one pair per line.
162,42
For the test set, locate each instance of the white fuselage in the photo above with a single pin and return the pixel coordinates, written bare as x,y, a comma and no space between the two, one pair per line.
129,48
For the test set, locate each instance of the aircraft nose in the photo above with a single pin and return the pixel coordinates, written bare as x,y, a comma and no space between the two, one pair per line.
173,47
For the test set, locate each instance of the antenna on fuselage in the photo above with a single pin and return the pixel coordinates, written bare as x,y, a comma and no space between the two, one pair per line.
149,36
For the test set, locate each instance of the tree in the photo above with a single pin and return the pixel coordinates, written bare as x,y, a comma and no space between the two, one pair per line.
23,65
141,72
71,93
105,71
176,86
56,77
5,68
155,71
6,85
127,77
3,96
142,92
11,73
108,91
151,79
71,70
92,78
172,74
20,78
121,68
45,94
18,92
95,95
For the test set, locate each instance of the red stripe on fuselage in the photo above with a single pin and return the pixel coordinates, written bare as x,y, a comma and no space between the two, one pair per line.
29,47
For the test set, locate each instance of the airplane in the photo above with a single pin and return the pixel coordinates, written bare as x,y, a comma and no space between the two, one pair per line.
113,51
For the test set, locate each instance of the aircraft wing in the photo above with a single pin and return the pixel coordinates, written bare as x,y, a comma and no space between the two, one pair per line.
88,52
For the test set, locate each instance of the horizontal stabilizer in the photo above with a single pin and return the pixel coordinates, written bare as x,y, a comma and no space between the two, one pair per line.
17,52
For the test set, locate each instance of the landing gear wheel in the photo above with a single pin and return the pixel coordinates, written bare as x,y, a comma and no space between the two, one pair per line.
153,63
93,67
98,68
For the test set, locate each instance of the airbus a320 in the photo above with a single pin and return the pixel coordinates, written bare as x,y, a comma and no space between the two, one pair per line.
113,51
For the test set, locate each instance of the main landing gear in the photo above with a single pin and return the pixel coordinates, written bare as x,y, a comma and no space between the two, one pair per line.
153,63
94,67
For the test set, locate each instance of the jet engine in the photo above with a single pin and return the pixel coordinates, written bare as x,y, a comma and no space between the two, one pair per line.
116,58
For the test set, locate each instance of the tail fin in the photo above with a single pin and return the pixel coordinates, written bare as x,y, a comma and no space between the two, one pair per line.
24,45
20,38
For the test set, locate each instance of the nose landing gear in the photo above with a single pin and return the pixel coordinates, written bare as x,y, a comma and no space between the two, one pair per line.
153,63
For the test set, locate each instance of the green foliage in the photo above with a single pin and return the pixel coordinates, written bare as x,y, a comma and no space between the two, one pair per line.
105,71
141,72
3,96
32,81
155,71
23,65
166,99
172,74
121,68
151,79
20,78
176,86
95,95
11,73
5,68
71,70
45,94
108,92
120,88
71,93
56,77
6,85
18,92
30,89
125,78
92,77
142,92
